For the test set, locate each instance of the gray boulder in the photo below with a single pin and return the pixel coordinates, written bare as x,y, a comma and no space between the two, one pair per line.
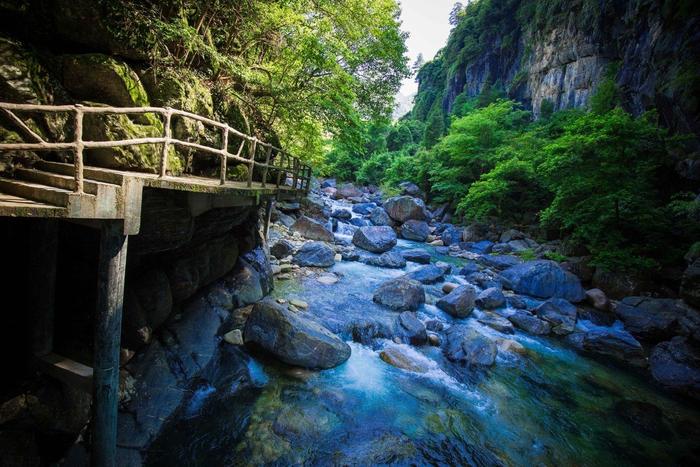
313,230
412,329
404,208
342,214
496,322
469,346
293,339
451,235
500,262
282,249
650,319
389,259
376,239
379,216
315,254
400,293
559,313
416,256
616,344
675,364
544,279
491,298
460,302
410,189
428,274
528,322
363,208
415,230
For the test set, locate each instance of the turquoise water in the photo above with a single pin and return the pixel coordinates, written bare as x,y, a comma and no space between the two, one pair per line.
546,405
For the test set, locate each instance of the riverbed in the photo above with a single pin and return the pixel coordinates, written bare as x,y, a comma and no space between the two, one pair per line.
544,404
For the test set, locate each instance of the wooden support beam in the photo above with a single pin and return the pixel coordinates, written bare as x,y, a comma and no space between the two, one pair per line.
108,321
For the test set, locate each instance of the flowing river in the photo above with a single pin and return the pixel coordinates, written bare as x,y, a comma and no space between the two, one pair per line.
545,405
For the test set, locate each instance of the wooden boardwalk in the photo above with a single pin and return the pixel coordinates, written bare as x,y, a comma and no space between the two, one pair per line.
110,200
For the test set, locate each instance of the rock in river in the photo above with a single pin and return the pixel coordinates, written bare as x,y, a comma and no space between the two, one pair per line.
282,249
412,328
676,365
416,256
404,208
390,259
376,239
400,293
415,230
469,346
491,298
460,302
527,322
313,230
544,279
650,319
617,344
428,274
559,313
400,357
315,254
379,216
293,339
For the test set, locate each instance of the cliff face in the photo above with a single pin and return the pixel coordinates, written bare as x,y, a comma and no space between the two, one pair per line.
561,51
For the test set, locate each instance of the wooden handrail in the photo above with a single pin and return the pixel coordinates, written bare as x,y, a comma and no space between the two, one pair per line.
284,163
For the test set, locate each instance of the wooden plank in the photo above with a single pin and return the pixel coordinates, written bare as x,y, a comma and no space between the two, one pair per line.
108,321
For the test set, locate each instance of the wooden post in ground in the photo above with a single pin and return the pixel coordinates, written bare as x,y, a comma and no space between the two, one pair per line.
108,321
42,260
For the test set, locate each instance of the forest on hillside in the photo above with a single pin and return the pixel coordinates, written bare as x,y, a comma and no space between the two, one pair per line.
602,175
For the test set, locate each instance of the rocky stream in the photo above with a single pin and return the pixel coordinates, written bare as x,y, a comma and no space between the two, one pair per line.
378,350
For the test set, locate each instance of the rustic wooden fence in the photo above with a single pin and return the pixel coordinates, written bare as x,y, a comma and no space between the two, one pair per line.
277,163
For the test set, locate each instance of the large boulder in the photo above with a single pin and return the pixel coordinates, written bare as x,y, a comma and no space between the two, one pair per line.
416,256
500,262
400,293
378,216
363,208
451,235
690,285
460,302
617,285
401,357
292,338
496,322
313,230
282,249
348,190
491,298
544,279
616,344
410,189
469,346
676,365
412,329
389,259
376,239
428,274
559,313
651,319
415,230
530,323
404,208
315,254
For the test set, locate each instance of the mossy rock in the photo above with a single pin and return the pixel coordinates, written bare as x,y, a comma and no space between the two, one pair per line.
144,158
22,78
100,78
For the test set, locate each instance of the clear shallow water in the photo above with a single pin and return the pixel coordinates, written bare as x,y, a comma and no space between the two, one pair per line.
550,406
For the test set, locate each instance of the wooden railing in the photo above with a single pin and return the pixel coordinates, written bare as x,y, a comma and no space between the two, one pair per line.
275,159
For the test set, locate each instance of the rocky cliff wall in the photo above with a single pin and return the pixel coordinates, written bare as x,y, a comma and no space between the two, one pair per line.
650,48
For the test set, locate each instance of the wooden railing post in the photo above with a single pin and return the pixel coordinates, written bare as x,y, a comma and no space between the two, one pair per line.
224,155
167,134
251,164
267,162
280,170
79,146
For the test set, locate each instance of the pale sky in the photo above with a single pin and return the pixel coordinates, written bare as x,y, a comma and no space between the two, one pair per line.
427,22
